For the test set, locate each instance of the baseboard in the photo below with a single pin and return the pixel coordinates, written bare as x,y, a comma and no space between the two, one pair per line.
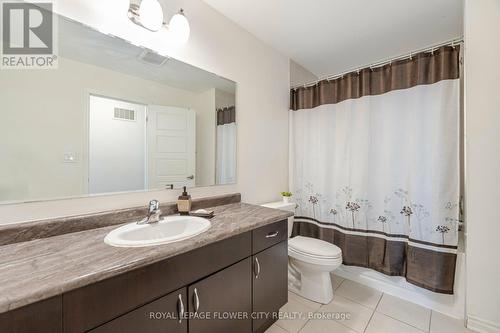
482,325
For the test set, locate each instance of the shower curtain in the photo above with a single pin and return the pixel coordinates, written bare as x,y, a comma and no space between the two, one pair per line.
226,146
375,166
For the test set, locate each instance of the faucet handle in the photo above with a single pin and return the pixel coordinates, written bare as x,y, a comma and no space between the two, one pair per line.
154,205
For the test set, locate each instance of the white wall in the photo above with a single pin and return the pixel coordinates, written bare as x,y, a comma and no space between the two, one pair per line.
224,99
300,75
217,45
482,107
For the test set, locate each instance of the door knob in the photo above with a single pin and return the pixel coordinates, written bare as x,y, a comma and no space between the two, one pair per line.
190,177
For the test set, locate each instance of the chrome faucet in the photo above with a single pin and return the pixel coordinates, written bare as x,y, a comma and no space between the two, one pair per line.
154,213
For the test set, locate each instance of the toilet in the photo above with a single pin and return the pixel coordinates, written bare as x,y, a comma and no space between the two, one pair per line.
310,262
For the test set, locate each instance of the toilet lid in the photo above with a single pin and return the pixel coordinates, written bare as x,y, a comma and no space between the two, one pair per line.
314,247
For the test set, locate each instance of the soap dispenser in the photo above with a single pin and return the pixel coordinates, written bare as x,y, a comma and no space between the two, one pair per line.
184,203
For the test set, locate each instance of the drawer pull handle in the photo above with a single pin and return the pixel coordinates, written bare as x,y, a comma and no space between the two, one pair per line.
181,308
272,234
257,264
196,300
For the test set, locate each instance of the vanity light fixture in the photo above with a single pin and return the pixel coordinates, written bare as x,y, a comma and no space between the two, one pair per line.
179,27
149,15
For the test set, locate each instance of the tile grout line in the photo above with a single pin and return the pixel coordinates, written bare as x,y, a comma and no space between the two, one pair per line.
375,309
321,305
430,321
307,306
357,302
341,322
315,311
371,317
367,307
343,280
401,321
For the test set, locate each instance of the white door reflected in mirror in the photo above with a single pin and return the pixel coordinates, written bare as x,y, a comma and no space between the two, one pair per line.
171,136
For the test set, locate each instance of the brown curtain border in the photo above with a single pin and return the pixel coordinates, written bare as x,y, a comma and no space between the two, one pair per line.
226,115
432,270
444,246
422,68
452,247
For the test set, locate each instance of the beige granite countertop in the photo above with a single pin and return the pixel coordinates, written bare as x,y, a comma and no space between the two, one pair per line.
35,270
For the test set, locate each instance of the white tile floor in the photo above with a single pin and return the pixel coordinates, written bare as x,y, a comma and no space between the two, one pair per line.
369,311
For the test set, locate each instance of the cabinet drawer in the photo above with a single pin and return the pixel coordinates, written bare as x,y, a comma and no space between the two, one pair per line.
161,315
269,235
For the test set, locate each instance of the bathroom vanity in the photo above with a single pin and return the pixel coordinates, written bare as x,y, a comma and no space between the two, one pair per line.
232,278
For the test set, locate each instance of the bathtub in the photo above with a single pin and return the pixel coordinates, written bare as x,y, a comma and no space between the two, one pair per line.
451,305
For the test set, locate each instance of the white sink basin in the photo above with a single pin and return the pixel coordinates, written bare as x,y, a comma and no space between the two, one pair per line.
168,230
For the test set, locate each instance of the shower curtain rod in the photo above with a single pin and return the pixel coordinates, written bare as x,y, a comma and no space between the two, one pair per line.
452,42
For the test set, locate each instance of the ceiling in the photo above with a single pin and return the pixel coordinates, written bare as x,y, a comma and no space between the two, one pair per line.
84,44
331,36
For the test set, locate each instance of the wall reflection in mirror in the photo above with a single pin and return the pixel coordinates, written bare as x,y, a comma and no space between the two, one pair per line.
113,117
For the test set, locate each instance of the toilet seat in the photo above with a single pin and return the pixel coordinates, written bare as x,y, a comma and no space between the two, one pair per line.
312,247
314,251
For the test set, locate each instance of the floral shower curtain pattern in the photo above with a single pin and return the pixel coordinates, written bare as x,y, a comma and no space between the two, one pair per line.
376,165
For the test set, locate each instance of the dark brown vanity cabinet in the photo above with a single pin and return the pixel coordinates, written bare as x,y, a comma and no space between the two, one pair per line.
40,317
163,315
270,290
220,287
222,302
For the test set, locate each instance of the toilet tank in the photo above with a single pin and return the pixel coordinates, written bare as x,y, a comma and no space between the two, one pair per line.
288,206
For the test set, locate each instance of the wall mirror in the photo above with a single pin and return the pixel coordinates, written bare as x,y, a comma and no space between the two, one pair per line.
112,117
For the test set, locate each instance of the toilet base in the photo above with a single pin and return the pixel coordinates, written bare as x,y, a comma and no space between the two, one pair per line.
313,285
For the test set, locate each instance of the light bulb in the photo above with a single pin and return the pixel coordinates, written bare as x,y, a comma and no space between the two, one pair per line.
179,28
151,14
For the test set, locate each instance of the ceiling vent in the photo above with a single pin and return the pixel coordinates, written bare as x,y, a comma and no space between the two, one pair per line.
152,58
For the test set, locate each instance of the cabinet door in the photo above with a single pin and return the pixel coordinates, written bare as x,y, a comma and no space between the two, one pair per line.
162,315
270,284
40,317
226,293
